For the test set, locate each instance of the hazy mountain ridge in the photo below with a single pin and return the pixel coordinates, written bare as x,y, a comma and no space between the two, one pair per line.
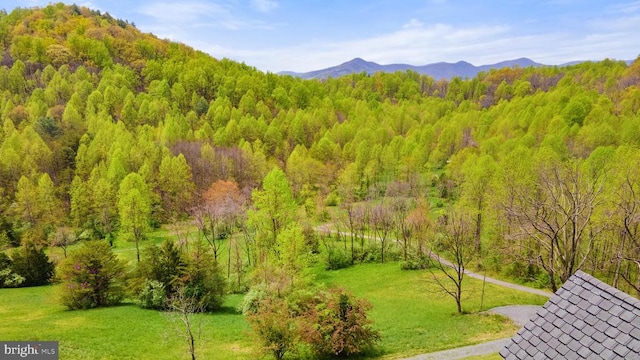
440,70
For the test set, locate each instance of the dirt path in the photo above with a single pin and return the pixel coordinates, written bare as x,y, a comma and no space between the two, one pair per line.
327,228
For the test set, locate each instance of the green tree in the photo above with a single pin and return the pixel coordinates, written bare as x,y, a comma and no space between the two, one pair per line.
92,276
202,279
159,273
475,190
33,265
134,206
176,185
274,209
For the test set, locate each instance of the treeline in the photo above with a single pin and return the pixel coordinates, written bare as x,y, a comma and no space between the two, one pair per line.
107,132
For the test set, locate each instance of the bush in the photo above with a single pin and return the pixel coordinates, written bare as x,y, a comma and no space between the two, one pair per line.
416,263
337,259
203,280
163,264
163,269
332,199
33,265
252,300
311,241
337,325
92,276
274,327
522,271
153,295
7,277
370,254
330,323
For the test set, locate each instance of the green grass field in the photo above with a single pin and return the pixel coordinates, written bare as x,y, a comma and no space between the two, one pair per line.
415,317
409,311
120,332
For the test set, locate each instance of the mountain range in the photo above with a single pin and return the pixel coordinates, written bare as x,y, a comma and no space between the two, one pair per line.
440,70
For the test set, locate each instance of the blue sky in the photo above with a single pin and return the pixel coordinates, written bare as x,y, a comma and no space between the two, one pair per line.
304,35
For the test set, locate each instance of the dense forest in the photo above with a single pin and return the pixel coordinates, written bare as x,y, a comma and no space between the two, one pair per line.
108,132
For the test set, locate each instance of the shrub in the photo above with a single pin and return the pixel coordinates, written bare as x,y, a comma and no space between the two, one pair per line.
370,254
416,263
337,325
274,327
10,279
7,277
330,323
92,276
338,259
153,295
33,265
203,280
163,264
311,240
251,302
523,271
163,269
332,199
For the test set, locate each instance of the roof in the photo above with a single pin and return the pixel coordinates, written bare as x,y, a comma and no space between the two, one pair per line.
585,319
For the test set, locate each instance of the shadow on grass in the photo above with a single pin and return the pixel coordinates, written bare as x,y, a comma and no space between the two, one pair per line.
227,310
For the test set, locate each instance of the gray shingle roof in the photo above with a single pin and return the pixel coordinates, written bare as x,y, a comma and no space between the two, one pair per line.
585,319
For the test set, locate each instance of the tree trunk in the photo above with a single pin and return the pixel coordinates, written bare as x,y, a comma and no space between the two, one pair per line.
477,234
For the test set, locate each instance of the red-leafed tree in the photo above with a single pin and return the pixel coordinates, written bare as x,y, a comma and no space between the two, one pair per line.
217,213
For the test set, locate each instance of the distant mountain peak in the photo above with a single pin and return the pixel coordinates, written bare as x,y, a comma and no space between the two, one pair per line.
356,60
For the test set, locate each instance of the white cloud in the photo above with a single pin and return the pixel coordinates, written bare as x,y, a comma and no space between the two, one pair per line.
183,12
414,44
612,35
264,5
412,24
189,21
628,8
420,45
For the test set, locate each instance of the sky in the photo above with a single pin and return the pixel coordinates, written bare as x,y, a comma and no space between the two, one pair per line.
306,35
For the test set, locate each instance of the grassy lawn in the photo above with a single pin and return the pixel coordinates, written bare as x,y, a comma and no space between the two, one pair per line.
121,332
415,317
412,315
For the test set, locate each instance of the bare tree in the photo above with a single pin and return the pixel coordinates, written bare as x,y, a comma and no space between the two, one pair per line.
420,225
403,229
182,309
350,222
382,222
556,213
361,214
627,225
457,243
217,213
62,238
180,229
236,261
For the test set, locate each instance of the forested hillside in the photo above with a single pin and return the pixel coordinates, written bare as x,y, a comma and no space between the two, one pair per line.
543,162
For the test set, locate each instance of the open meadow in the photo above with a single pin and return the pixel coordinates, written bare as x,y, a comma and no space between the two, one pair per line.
412,315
